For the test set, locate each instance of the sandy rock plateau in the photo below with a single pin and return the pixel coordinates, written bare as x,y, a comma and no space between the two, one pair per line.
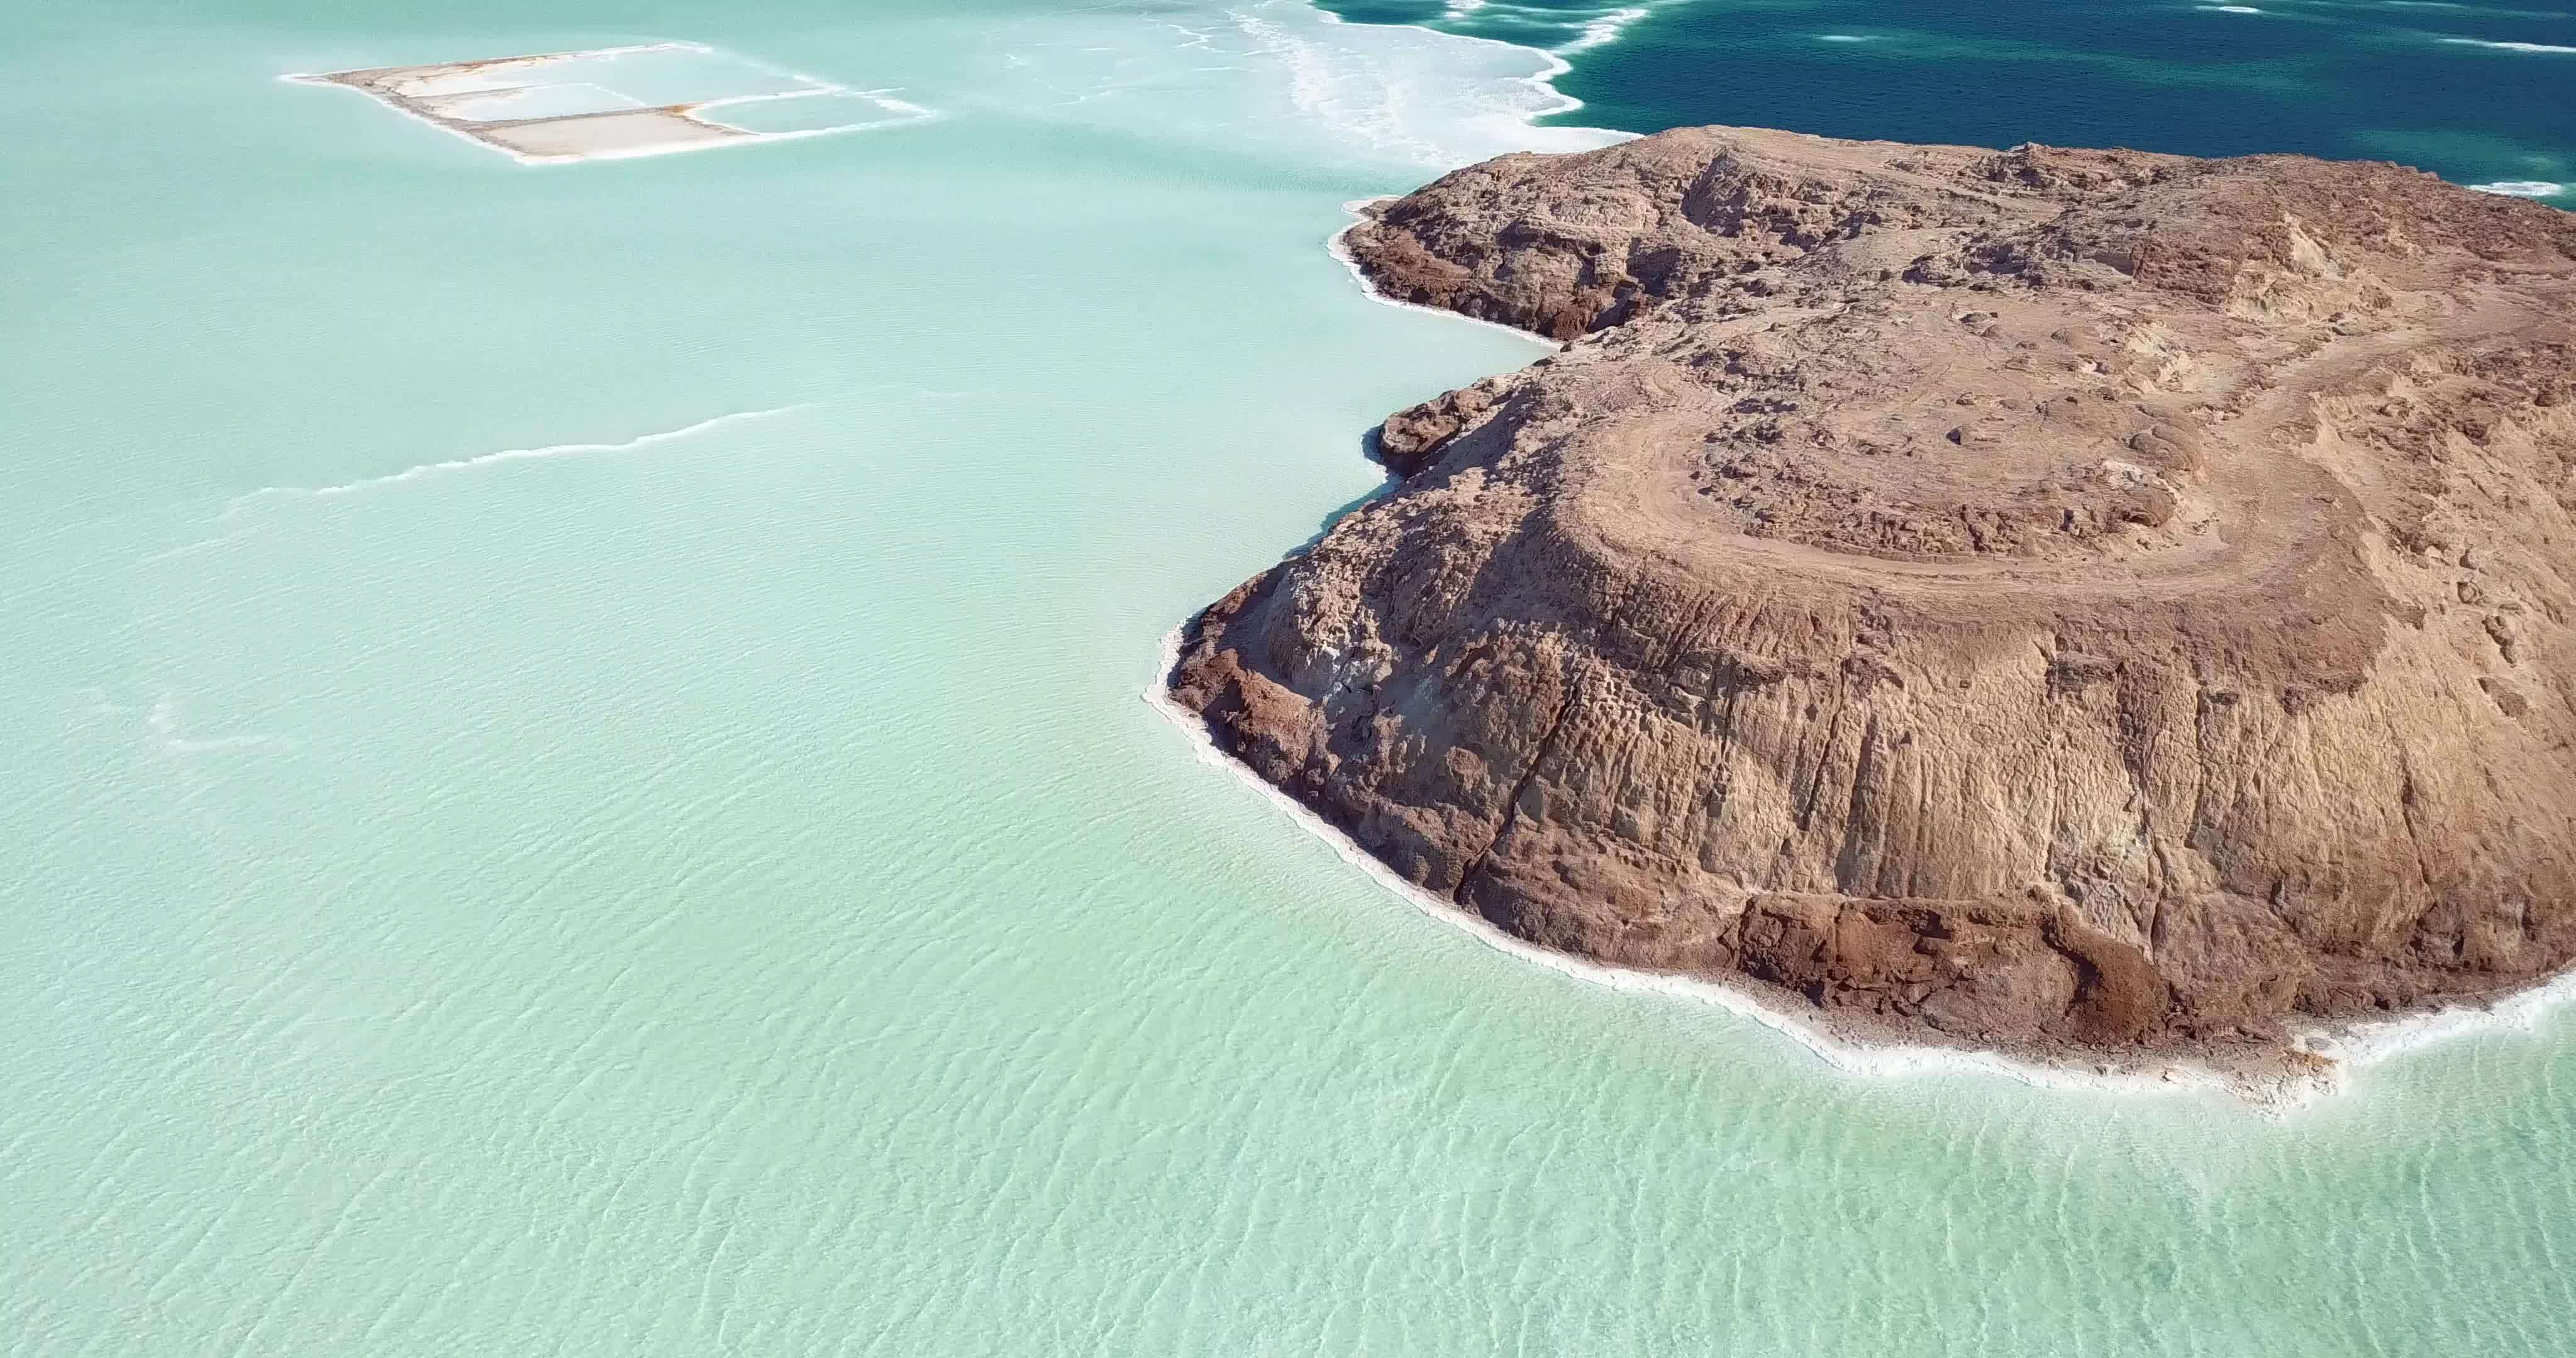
2084,604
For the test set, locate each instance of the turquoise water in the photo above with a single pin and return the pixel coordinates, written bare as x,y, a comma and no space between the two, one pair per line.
576,785
2478,93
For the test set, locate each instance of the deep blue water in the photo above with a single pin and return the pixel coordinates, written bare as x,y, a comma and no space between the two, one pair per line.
2404,80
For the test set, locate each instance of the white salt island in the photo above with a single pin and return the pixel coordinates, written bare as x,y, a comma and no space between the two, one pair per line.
620,102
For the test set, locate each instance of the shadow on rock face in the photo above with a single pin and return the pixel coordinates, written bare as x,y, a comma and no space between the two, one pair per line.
1369,450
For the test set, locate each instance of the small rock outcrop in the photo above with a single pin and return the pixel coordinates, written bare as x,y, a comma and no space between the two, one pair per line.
2070,602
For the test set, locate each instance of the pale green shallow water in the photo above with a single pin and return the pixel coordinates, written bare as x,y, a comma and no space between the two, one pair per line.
724,894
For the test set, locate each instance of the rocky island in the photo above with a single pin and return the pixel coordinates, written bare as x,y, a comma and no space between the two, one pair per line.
2088,605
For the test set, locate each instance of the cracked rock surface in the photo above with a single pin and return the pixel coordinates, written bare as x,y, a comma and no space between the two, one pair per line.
2071,602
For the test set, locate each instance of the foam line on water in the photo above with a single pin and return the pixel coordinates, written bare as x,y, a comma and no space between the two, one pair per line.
1551,102
1604,30
2553,49
2500,13
164,724
202,545
551,450
2522,188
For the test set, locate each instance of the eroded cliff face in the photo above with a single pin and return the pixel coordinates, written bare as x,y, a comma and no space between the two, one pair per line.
2065,601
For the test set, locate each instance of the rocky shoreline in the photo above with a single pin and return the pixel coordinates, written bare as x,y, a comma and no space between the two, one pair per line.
2100,608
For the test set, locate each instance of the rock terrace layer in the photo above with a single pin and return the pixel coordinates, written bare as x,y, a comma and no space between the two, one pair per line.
2072,602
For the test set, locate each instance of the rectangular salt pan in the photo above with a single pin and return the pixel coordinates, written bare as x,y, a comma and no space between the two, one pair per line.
617,102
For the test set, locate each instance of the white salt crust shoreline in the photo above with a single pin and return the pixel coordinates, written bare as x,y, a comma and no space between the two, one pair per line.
1338,245
2345,1048
1542,80
1837,1052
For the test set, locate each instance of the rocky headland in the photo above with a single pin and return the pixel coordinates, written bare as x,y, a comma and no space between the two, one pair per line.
2089,605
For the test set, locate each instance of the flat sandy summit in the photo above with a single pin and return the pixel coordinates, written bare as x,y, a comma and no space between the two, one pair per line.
2062,601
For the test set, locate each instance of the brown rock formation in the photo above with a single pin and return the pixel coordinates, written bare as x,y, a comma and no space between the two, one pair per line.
2064,601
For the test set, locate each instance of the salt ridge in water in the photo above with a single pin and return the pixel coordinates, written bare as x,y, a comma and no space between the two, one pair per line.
1603,31
550,450
2523,188
1338,87
2550,48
